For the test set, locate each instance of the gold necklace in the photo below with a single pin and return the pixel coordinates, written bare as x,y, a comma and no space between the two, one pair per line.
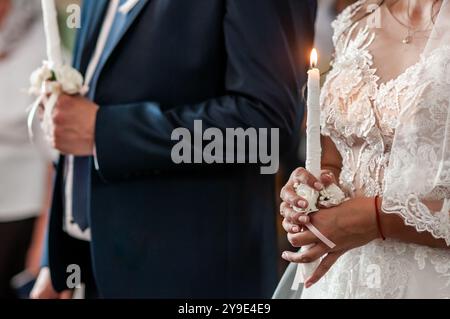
410,30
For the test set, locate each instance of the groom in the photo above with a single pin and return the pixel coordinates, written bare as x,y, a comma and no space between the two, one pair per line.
137,224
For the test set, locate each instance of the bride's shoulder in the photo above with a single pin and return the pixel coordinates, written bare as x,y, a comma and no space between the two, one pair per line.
350,16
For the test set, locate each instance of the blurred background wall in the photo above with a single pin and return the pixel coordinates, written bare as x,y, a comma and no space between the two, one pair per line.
67,35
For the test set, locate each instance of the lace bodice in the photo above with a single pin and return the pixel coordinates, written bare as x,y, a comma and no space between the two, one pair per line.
360,115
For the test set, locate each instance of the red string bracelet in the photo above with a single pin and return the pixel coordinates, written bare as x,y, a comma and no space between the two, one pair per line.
378,216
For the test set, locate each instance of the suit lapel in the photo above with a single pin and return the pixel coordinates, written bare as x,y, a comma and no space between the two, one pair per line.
131,17
96,17
92,14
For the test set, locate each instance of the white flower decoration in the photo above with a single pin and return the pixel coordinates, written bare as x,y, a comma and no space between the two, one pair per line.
71,80
38,77
331,196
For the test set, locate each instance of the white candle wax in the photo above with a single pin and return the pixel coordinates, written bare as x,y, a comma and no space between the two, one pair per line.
313,158
313,147
54,54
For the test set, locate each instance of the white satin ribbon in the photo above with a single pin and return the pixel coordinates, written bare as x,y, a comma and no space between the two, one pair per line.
304,271
49,96
320,236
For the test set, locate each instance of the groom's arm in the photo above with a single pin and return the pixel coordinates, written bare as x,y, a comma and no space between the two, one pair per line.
262,92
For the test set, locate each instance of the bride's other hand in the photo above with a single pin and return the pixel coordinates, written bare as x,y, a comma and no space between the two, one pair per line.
291,199
350,225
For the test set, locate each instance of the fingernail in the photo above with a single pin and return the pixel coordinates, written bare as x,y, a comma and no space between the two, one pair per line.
295,229
308,284
318,186
302,204
303,219
284,255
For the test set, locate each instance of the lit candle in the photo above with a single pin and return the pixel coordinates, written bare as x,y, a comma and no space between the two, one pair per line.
54,54
332,193
313,147
313,158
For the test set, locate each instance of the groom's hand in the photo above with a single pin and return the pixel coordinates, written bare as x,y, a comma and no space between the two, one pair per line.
74,125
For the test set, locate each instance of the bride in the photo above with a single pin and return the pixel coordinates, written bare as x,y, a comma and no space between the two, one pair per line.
386,135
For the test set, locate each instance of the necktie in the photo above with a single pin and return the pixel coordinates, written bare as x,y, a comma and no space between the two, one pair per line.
81,166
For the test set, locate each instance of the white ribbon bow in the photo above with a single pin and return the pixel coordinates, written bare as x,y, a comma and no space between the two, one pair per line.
47,85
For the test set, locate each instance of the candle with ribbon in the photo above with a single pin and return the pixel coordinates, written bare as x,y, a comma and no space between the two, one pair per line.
330,196
53,77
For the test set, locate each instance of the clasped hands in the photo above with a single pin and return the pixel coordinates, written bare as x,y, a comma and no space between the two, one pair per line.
349,225
73,125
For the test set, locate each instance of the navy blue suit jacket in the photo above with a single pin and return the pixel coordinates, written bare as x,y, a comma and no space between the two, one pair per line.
163,230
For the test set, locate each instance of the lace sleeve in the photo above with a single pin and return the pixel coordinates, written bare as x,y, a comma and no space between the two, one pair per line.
417,180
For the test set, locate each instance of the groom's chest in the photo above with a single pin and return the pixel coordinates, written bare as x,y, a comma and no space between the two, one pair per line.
165,49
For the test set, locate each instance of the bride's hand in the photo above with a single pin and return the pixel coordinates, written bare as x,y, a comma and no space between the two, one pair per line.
302,176
350,225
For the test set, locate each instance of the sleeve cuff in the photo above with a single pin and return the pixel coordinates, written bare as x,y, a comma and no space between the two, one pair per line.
96,165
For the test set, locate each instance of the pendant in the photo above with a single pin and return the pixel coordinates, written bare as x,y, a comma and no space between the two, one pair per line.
407,40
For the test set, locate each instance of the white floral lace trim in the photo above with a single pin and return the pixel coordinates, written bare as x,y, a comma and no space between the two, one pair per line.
429,110
417,215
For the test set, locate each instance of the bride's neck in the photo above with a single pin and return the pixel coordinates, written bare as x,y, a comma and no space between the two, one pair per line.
415,12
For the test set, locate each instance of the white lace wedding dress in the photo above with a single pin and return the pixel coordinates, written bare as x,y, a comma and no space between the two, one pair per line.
360,115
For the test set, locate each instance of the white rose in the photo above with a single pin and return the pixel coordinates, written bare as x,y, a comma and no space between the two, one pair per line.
70,79
331,196
308,193
38,77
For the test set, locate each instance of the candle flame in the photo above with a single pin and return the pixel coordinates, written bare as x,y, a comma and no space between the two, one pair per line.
314,58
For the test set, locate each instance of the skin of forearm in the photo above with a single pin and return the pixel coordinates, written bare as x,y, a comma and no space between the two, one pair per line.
331,159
